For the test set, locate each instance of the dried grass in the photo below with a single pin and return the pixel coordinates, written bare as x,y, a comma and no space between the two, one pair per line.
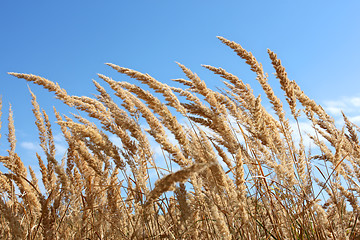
239,174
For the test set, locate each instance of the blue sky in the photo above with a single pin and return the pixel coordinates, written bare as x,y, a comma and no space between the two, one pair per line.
69,41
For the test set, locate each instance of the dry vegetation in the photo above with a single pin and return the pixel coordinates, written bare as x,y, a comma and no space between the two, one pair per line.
242,174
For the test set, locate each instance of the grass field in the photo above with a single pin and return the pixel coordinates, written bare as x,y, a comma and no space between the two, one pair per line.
242,171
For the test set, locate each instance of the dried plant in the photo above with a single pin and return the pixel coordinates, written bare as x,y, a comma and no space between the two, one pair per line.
230,169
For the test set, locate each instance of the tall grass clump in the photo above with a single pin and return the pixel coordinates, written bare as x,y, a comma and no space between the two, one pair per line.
231,169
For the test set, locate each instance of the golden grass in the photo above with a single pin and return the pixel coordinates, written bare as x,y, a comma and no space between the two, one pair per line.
242,174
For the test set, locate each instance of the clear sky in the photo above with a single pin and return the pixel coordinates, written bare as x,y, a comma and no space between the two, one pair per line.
69,41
